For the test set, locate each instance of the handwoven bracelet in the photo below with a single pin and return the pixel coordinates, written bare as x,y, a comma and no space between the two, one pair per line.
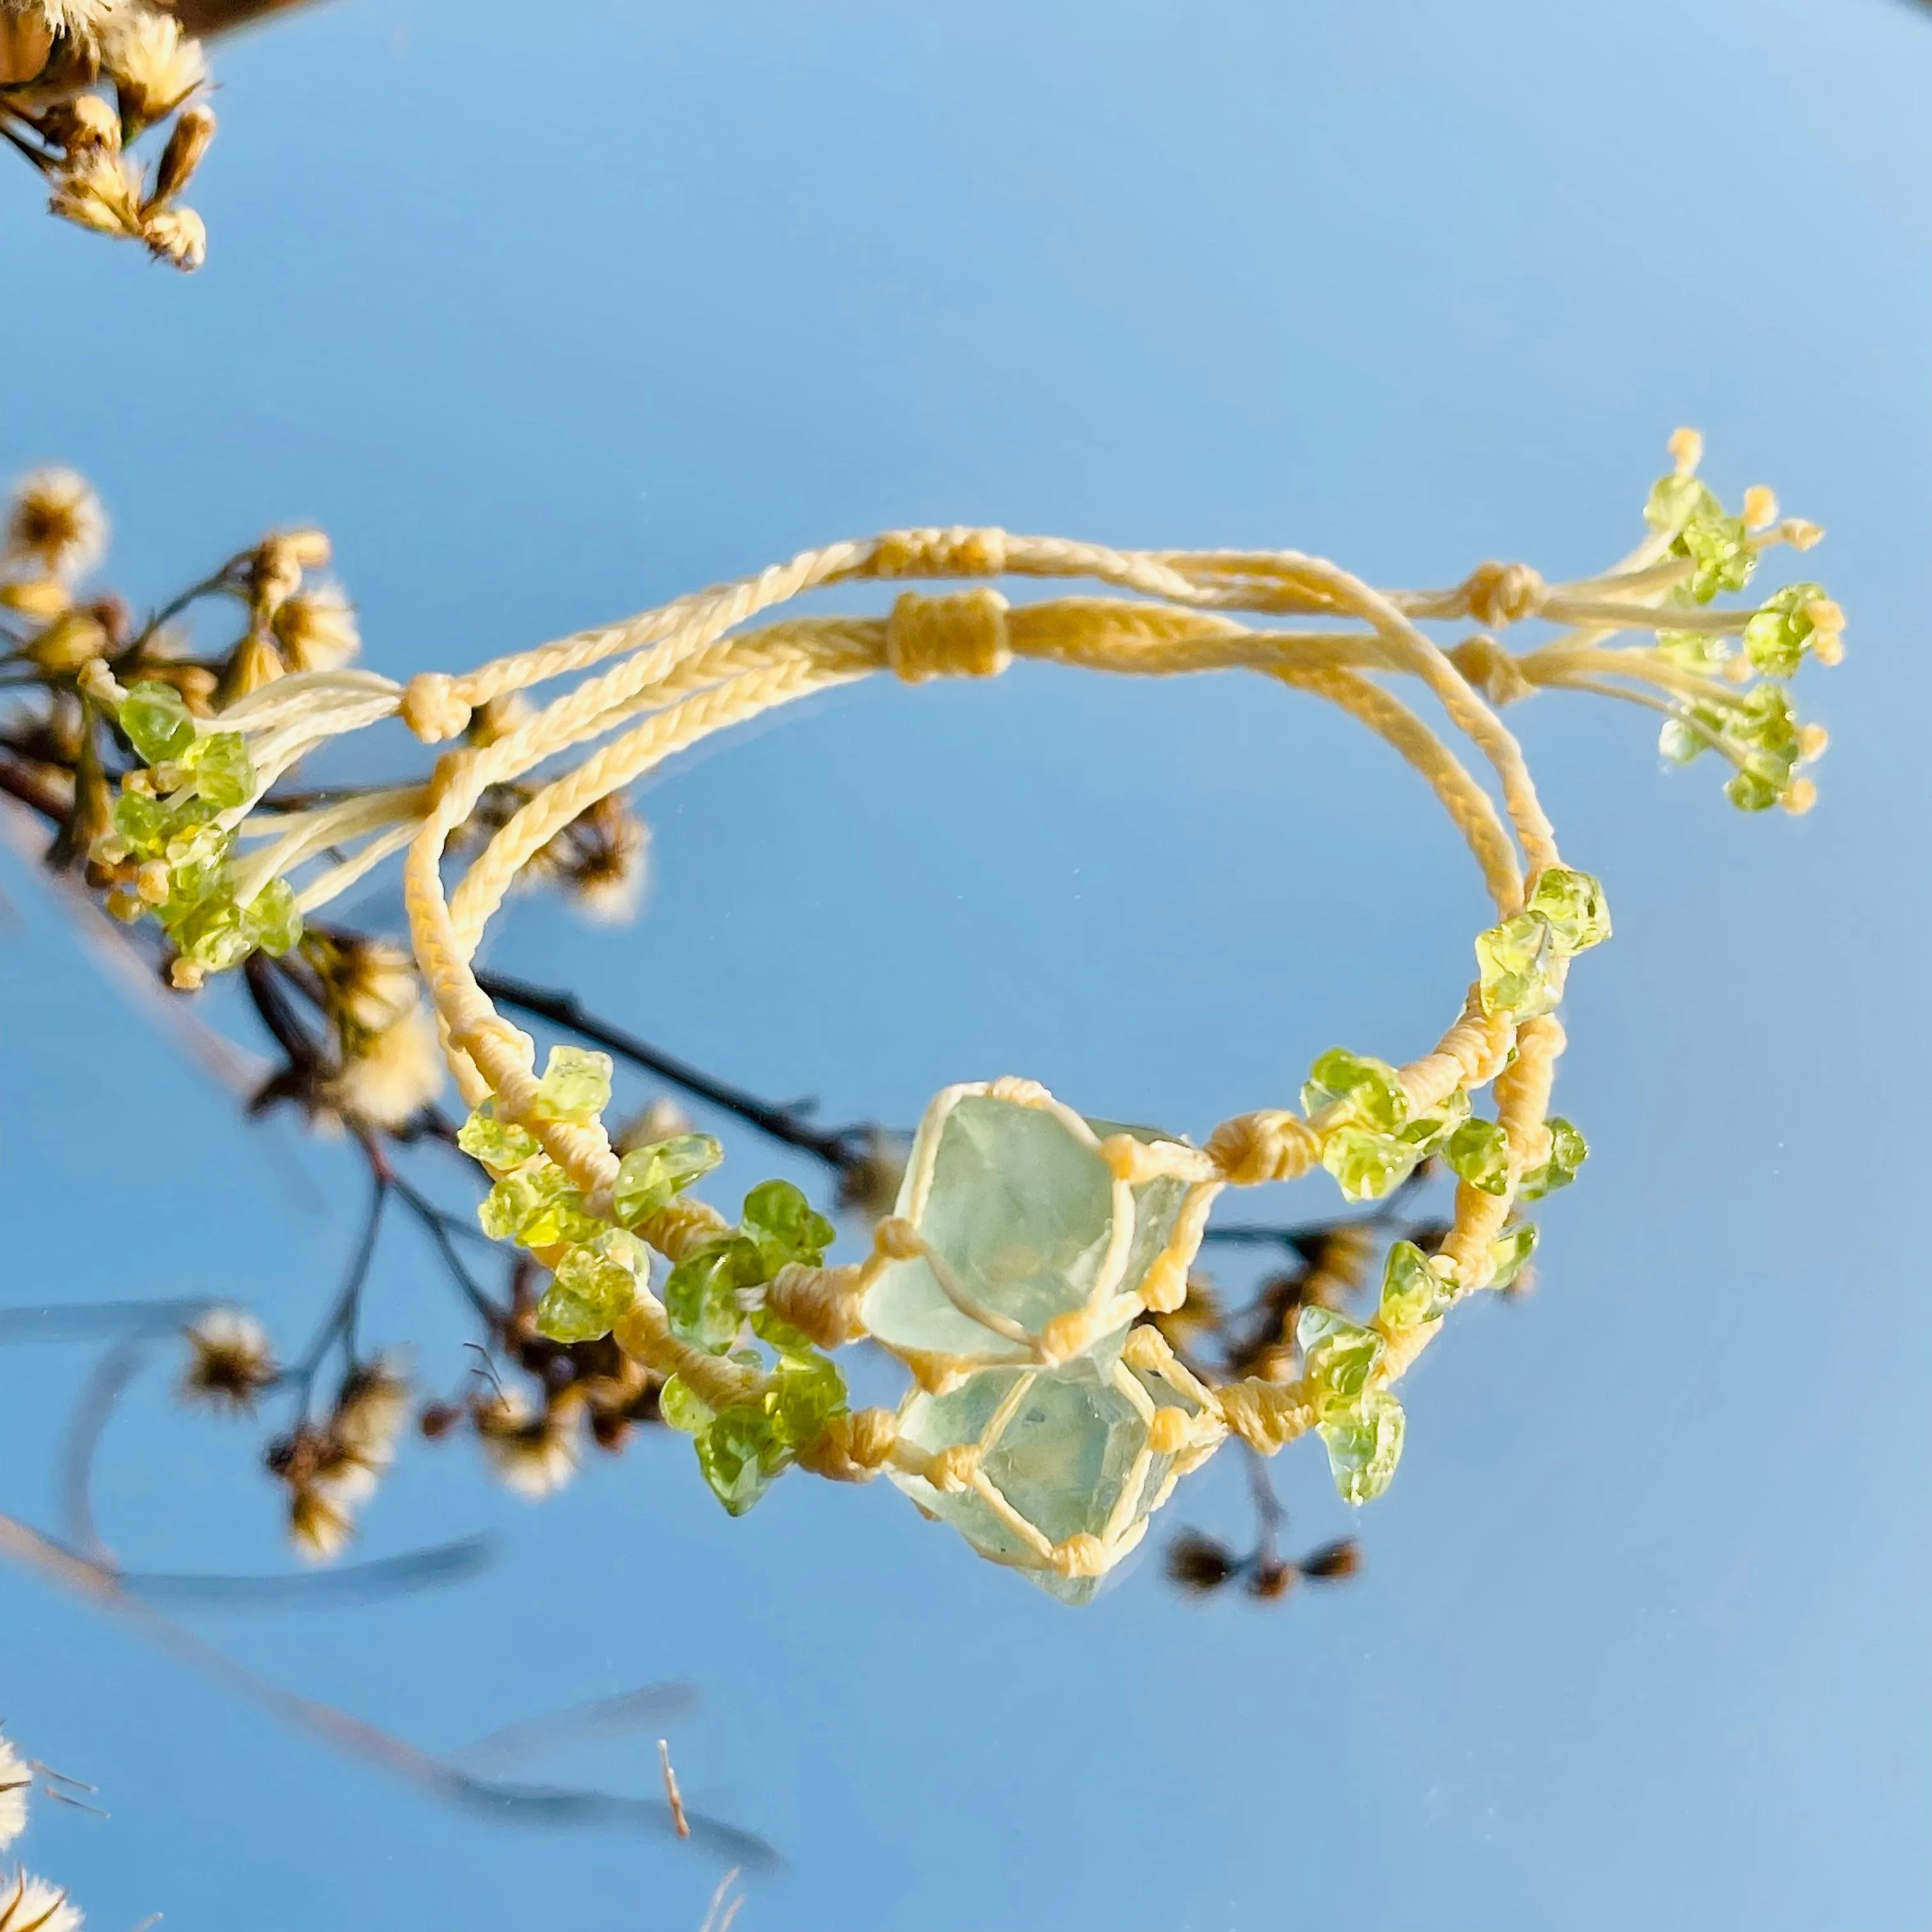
1047,1419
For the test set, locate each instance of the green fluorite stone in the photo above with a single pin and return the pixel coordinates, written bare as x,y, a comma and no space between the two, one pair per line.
1063,1459
1020,1212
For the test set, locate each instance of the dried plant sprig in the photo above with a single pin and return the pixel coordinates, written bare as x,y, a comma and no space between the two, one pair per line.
81,82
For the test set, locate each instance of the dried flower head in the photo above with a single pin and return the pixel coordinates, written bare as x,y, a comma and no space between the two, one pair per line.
532,1450
85,19
55,521
371,984
371,1412
99,189
229,1361
392,1077
1198,1563
1333,1561
30,1904
16,1782
606,872
154,65
319,1527
315,629
177,236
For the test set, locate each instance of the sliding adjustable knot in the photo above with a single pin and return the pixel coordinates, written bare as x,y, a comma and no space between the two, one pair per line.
1270,1146
957,552
855,1445
432,710
1496,594
1491,669
822,1303
962,635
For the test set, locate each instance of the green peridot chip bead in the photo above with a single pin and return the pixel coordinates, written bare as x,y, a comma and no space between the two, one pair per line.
1519,966
1364,1444
807,1392
739,1453
1413,1291
649,1176
1366,1164
701,1296
780,1219
1751,791
157,721
1478,1152
537,1207
1369,1087
1568,1150
1427,1133
1573,904
272,921
1338,1355
594,1284
499,1144
223,775
575,1087
1724,554
681,1409
1510,1251
143,822
1775,640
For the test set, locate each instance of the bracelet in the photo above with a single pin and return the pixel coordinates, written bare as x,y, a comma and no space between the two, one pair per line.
1022,1276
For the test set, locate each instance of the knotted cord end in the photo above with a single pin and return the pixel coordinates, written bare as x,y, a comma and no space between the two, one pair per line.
963,635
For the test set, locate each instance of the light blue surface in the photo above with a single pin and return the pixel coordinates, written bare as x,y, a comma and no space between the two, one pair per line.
548,319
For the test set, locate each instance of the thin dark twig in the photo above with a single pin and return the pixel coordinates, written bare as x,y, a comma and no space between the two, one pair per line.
534,1805
438,1225
341,1322
99,1398
838,1147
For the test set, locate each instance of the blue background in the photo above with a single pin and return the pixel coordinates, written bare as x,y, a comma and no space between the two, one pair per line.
548,314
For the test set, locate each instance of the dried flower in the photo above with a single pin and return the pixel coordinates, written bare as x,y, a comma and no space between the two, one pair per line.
319,1527
101,190
155,66
607,874
56,521
193,129
16,1782
317,628
392,1077
1198,1563
229,1361
177,236
30,1904
371,1412
1333,1561
532,1450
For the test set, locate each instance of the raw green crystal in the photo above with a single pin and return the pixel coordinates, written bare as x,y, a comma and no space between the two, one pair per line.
575,1087
701,1296
780,1221
1573,902
594,1284
739,1453
681,1409
1338,1355
1428,1132
1478,1151
1019,1214
1369,1088
1519,966
1510,1251
142,821
223,775
648,1176
1724,554
1364,1444
500,1145
1366,1164
1413,1292
157,723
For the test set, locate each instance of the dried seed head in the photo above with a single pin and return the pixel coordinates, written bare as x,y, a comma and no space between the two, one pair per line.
99,189
56,521
16,1782
193,129
394,1075
315,629
155,66
319,1527
1197,1562
84,122
30,1904
229,1361
533,1451
177,236
254,662
1333,1561
371,1410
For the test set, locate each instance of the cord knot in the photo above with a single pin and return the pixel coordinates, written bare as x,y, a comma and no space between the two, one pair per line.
1255,1147
854,1448
957,552
1497,594
431,708
1491,669
962,635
